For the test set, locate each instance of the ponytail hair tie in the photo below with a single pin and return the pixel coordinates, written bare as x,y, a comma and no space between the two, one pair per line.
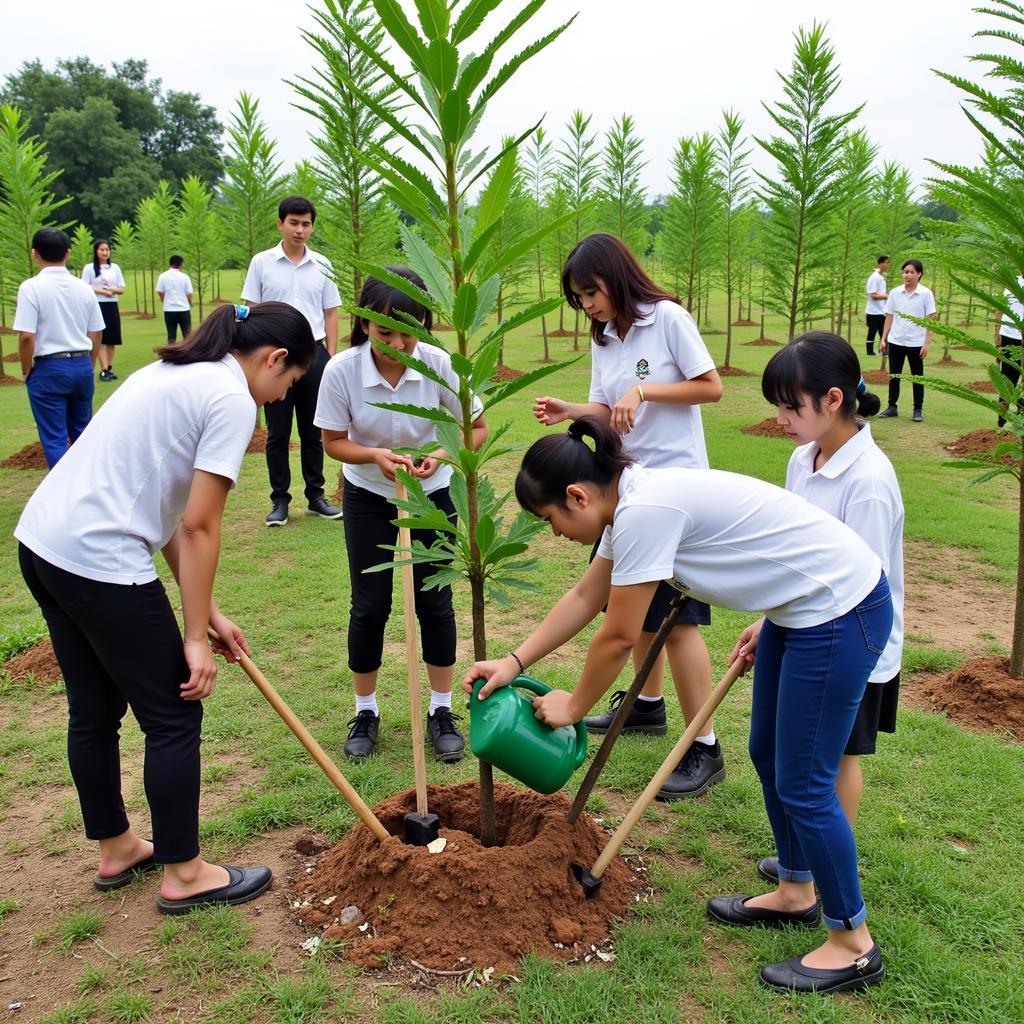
241,312
861,386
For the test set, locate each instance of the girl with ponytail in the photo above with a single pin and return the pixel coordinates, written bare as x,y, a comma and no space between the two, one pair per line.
152,472
734,542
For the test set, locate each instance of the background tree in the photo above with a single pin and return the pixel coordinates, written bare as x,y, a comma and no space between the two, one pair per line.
894,213
252,185
803,194
539,176
622,209
197,234
735,187
125,243
359,222
156,237
81,249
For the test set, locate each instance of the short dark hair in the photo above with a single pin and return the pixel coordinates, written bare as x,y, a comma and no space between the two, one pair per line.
296,204
52,244
916,264
176,261
882,259
383,298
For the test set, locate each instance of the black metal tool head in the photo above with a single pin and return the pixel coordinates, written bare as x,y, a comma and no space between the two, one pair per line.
420,829
591,885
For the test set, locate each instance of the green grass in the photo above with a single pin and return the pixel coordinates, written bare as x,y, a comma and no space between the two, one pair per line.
939,832
78,927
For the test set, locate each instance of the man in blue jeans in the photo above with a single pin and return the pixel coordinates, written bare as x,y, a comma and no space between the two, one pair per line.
59,327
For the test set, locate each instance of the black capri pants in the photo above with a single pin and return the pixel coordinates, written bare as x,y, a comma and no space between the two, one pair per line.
368,525
119,646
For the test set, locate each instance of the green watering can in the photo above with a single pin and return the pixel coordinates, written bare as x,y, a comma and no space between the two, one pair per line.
504,731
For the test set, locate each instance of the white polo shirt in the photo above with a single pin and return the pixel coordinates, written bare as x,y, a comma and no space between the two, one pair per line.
119,494
176,288
309,286
737,542
876,283
1007,328
859,487
59,310
919,302
351,382
110,276
662,347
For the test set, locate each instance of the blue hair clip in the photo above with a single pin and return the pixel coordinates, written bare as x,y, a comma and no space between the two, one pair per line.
241,312
861,386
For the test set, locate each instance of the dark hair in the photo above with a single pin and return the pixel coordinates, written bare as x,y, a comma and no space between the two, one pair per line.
554,462
52,244
296,204
95,258
267,323
882,259
916,264
605,256
383,298
812,364
175,261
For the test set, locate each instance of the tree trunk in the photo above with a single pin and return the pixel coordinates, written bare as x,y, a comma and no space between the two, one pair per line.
576,333
1017,650
728,321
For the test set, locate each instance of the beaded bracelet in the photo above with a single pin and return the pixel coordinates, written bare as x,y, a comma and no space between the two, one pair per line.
512,654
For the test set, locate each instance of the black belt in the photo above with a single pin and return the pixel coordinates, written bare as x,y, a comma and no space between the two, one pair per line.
60,355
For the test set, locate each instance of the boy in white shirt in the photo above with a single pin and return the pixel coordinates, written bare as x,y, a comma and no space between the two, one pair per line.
174,287
904,340
874,311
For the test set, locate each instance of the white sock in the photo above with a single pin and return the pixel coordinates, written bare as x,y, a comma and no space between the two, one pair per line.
367,703
439,700
708,740
648,700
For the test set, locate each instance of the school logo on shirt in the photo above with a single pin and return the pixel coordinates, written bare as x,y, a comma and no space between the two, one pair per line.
643,369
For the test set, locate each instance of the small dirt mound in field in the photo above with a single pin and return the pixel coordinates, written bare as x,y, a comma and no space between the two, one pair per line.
507,373
562,332
733,371
38,661
8,381
766,428
258,442
948,360
29,457
12,357
744,323
979,442
763,342
984,387
876,376
980,694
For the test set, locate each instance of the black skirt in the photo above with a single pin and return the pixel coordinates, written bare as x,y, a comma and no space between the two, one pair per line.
111,323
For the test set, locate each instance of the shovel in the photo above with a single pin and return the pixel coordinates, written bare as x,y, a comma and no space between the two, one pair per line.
421,827
590,878
355,801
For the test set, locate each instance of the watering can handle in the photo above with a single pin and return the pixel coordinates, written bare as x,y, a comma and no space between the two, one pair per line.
539,688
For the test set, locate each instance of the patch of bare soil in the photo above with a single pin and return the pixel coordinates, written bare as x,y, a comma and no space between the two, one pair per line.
876,376
948,360
979,442
766,428
258,442
981,694
29,457
38,662
733,371
11,357
744,323
763,341
467,906
507,373
561,332
442,327
9,381
984,387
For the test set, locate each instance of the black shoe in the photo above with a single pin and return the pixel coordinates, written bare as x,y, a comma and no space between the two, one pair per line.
324,509
110,374
734,910
917,416
106,883
768,869
444,734
889,413
362,735
278,514
792,976
244,884
701,768
647,717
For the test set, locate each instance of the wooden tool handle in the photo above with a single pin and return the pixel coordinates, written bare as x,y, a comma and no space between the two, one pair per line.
667,767
329,768
412,663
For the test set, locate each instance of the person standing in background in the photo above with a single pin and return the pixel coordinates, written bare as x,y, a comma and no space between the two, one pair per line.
107,281
909,341
59,325
174,287
874,311
292,272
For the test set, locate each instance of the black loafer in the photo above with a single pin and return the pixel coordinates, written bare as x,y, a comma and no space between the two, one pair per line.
768,869
107,883
792,976
734,910
244,884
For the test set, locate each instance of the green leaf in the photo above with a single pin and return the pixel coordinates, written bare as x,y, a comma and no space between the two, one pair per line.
464,309
499,188
401,171
457,490
455,116
526,381
487,297
484,535
471,18
401,30
399,283
441,66
485,365
433,18
479,247
437,415
449,437
514,252
524,316
393,323
462,365
422,259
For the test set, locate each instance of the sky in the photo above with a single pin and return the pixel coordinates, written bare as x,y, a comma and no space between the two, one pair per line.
674,65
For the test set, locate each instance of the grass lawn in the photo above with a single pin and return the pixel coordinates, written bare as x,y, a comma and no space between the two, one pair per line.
940,832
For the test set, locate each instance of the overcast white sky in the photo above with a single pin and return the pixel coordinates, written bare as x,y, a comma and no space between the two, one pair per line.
672,64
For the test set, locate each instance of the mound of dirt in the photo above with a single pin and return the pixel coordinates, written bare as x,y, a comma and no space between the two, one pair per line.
766,428
562,332
985,387
763,341
980,694
467,906
979,442
29,457
12,357
733,371
876,376
948,360
38,661
744,323
507,373
8,381
258,442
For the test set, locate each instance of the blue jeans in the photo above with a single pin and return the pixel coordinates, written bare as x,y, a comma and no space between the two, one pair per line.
808,685
60,393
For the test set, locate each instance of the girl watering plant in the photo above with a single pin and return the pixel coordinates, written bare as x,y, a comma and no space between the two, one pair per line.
363,437
740,543
152,472
650,373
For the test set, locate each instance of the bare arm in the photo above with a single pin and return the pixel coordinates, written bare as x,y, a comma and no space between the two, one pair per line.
331,327
886,327
698,391
338,445
95,337
26,349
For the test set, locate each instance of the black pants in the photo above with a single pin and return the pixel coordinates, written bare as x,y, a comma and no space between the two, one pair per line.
367,525
897,355
875,322
174,320
301,399
119,646
1013,349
